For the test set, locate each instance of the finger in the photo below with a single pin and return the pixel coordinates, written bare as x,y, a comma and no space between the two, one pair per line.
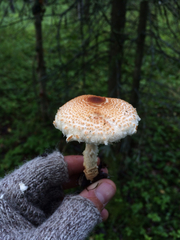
104,214
74,180
104,170
100,193
75,164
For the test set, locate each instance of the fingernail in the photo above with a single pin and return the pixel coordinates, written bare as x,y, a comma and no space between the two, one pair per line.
104,192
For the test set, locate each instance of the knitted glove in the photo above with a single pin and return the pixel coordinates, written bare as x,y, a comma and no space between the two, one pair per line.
32,205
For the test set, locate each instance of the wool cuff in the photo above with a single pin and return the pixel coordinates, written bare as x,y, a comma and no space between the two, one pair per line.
74,219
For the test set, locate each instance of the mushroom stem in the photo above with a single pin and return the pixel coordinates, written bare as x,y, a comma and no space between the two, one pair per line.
90,161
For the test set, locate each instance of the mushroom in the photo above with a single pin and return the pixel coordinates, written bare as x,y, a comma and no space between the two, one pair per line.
95,120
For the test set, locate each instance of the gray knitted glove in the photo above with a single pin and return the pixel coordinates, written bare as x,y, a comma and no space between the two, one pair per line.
32,205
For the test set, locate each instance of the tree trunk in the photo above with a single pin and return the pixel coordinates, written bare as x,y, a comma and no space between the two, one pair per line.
38,12
11,4
87,10
141,33
143,14
118,19
83,15
81,18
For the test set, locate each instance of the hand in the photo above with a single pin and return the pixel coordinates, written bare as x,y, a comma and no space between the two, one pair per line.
100,192
32,197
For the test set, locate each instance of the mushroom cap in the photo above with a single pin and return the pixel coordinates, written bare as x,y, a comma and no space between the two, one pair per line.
97,120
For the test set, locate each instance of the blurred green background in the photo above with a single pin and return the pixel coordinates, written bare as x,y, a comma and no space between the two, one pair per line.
125,49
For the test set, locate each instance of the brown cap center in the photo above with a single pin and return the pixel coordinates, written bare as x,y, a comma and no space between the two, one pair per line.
95,100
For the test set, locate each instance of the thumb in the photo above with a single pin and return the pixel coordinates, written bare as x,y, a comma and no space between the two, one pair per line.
100,193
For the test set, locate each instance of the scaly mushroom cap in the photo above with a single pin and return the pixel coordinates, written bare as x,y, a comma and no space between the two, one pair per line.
97,120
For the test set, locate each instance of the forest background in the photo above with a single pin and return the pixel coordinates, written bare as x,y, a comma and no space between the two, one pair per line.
52,51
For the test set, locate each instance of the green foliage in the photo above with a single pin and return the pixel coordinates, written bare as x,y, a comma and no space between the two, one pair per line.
146,205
